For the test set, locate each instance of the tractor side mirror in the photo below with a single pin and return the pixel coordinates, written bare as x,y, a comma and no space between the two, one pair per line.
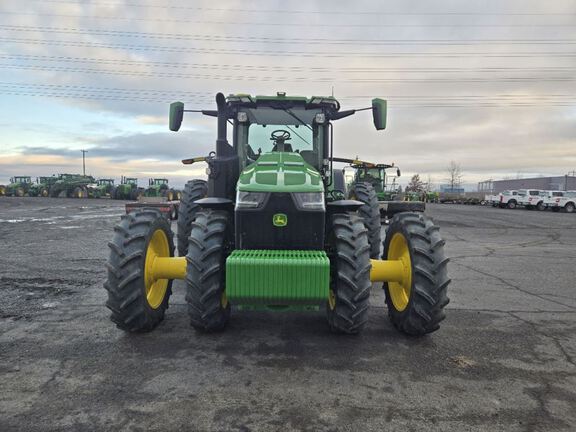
379,107
176,114
398,172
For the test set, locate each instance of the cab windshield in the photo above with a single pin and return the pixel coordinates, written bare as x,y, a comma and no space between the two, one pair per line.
280,130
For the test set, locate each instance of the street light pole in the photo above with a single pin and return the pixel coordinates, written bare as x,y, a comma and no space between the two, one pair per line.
84,162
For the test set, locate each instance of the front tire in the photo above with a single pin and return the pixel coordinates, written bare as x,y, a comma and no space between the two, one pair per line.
194,190
370,214
208,306
569,208
347,308
138,304
416,305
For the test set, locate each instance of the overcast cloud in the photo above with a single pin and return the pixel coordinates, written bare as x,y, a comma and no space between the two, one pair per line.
490,85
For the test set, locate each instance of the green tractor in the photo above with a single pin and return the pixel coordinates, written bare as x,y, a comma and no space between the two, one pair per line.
19,186
73,186
379,191
128,189
274,234
158,187
42,186
104,188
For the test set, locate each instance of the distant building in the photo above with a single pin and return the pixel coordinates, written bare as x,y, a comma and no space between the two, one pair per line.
446,188
565,182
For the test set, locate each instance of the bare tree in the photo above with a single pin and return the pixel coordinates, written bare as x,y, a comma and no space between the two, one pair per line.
454,175
416,185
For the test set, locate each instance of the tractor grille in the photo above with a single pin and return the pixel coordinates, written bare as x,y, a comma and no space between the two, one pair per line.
255,230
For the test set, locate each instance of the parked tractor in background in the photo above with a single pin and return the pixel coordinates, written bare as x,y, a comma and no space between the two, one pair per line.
42,186
104,188
128,189
19,186
272,235
388,196
158,187
72,186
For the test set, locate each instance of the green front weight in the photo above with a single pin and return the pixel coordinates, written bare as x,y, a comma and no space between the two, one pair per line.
277,277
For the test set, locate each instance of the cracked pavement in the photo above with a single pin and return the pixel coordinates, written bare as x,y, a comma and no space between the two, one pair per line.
504,359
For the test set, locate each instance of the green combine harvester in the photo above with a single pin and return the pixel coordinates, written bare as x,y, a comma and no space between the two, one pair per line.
273,233
42,186
128,189
158,187
19,186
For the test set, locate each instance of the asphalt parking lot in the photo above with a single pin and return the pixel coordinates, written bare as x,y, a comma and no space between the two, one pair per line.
504,359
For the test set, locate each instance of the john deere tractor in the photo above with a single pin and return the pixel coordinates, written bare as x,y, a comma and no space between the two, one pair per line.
370,177
19,186
104,187
42,186
273,233
158,187
128,189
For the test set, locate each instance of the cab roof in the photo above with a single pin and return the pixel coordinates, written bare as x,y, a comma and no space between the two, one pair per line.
282,99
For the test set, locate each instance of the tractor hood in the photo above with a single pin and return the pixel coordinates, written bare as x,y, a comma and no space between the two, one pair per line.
280,172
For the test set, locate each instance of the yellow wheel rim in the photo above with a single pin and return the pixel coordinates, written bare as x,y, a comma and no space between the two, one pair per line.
155,288
400,291
170,196
44,193
332,300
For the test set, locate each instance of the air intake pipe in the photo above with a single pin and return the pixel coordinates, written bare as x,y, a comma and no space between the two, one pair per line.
223,148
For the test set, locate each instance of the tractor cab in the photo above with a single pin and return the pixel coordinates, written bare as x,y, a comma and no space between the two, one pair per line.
21,180
105,182
157,182
130,181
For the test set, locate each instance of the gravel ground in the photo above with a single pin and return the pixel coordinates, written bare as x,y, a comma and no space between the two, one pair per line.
504,359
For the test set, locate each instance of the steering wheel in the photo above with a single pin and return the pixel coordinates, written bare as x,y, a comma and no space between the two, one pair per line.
280,135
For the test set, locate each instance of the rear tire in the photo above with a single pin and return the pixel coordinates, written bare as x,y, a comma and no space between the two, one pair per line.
370,214
208,307
420,309
194,190
511,204
126,285
347,308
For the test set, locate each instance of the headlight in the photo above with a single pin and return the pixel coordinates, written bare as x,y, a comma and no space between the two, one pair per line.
249,200
309,200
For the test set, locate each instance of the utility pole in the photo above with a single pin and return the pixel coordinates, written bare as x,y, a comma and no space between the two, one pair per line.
84,162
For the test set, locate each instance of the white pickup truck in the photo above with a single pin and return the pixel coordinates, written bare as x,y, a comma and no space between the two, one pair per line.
566,201
507,199
529,198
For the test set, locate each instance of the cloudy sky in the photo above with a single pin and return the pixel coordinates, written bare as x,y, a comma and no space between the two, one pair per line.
489,84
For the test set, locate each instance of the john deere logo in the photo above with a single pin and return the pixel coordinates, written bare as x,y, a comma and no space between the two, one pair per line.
280,220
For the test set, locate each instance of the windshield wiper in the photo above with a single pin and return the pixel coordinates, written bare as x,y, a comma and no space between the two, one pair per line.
296,117
297,134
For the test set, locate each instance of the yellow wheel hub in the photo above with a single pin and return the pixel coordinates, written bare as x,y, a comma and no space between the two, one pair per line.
400,290
158,248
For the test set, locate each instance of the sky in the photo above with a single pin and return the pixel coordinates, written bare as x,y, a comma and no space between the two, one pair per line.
488,84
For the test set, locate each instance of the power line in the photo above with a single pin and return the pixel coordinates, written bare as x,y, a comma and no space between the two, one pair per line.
301,11
237,77
286,24
204,103
210,94
243,52
270,68
255,39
